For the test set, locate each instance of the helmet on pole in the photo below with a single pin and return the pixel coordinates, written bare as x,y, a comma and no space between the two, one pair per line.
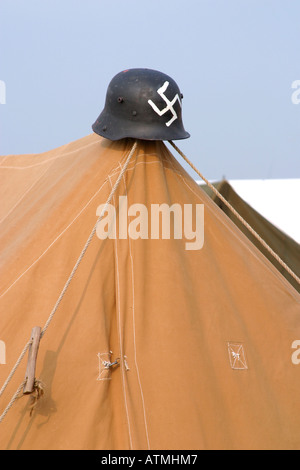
142,104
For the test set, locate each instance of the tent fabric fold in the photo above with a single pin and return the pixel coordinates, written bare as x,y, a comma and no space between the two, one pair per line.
201,339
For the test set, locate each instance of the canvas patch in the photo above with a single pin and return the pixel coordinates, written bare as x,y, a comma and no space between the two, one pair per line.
237,356
106,365
104,359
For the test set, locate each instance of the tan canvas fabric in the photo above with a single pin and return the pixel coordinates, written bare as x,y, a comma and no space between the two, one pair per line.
204,337
287,248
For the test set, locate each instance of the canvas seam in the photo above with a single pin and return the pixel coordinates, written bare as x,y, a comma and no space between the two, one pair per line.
58,236
25,193
4,158
134,335
61,155
120,338
77,216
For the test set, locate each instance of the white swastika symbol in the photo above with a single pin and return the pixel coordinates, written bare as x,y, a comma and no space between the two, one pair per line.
169,103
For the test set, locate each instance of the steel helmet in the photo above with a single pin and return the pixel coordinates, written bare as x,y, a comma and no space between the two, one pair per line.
143,104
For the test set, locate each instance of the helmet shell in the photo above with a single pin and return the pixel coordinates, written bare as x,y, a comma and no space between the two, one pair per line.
142,104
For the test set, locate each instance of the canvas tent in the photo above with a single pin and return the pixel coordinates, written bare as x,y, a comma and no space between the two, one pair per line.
285,246
202,339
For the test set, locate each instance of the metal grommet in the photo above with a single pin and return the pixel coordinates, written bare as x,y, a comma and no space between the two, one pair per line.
120,99
104,128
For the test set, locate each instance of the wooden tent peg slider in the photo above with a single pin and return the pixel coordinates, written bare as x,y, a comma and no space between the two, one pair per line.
32,355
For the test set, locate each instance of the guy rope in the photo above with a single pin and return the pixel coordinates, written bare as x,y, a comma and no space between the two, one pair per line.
240,218
43,331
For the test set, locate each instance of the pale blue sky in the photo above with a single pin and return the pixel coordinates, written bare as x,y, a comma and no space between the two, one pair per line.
234,60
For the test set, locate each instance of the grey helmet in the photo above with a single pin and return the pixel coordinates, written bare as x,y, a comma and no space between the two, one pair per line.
142,104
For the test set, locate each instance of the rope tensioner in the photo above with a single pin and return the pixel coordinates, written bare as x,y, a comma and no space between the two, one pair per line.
108,365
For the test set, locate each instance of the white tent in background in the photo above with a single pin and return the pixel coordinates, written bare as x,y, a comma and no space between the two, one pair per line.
276,199
270,209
